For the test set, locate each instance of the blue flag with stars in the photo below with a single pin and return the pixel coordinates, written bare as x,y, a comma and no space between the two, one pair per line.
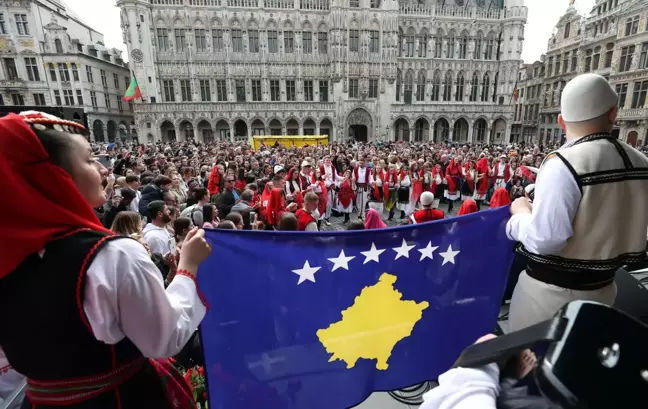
321,320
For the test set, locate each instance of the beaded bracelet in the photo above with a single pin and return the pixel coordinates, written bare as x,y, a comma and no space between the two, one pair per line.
186,273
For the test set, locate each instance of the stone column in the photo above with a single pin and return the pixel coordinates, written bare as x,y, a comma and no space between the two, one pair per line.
249,135
411,133
488,133
451,132
317,128
470,132
231,125
301,128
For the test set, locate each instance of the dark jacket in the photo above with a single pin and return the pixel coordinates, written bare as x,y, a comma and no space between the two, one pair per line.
150,193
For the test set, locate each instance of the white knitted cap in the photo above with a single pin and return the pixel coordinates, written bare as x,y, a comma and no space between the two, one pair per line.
586,97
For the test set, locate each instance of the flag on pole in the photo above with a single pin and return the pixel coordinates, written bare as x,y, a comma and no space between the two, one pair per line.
302,320
516,92
133,91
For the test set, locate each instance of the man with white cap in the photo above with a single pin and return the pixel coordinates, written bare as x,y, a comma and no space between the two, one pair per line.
588,216
428,213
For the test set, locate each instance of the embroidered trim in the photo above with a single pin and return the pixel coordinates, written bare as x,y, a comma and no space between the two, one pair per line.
611,176
201,296
72,391
5,369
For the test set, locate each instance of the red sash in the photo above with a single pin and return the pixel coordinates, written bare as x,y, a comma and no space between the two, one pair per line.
346,195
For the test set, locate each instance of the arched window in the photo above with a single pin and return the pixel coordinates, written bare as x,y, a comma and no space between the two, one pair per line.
490,43
436,86
450,51
438,44
409,86
400,42
399,82
410,43
485,88
463,45
478,46
420,86
447,87
495,86
597,58
460,87
423,39
59,46
474,85
567,29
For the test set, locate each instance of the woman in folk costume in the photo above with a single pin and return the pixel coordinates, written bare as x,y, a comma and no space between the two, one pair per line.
277,207
379,190
82,309
331,180
346,197
469,206
500,198
437,184
501,172
453,173
293,191
405,192
482,181
374,221
470,176
322,194
417,184
391,197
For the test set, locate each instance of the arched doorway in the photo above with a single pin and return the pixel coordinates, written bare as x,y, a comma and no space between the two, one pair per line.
187,130
421,130
205,131
460,131
112,131
359,125
240,130
499,130
479,130
123,131
441,130
401,130
168,132
258,128
97,130
632,138
292,127
223,130
326,128
275,127
309,127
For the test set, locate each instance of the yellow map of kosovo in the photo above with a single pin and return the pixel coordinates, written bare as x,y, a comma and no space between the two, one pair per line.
372,326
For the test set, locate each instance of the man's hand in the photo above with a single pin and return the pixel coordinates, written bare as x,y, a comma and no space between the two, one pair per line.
292,207
521,205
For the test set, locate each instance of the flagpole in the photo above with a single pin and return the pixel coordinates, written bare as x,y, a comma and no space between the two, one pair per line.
135,76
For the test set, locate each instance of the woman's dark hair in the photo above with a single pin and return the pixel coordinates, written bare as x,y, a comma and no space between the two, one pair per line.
226,224
357,225
245,214
241,174
288,222
181,224
162,180
57,145
200,194
208,213
235,217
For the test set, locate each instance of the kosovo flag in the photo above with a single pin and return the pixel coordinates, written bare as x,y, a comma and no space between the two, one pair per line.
321,320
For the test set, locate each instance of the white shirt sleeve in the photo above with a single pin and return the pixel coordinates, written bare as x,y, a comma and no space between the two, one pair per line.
125,297
156,244
465,388
312,226
546,230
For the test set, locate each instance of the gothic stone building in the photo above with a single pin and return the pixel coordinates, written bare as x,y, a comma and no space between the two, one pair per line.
351,69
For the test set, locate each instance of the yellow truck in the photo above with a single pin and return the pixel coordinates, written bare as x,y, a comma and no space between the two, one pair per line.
289,140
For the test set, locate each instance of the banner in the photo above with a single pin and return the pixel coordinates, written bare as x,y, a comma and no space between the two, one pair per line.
321,320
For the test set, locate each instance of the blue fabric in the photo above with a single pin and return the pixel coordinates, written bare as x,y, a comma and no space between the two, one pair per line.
263,335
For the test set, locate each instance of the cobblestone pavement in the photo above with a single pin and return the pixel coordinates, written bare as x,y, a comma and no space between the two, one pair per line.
337,222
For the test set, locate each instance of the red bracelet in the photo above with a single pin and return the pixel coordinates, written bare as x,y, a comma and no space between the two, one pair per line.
186,273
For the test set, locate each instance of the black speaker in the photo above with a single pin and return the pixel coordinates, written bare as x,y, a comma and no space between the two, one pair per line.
632,296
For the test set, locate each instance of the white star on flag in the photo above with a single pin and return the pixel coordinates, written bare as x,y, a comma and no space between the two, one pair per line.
306,273
342,261
449,256
373,254
403,250
427,252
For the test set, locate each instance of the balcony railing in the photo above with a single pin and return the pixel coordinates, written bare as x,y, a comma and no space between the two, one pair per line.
232,107
633,113
453,11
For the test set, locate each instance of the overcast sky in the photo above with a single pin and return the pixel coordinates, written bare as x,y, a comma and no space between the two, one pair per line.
103,16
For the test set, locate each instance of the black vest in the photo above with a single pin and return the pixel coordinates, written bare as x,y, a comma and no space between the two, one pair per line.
45,333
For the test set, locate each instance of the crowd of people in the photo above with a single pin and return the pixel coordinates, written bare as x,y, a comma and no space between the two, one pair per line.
102,243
